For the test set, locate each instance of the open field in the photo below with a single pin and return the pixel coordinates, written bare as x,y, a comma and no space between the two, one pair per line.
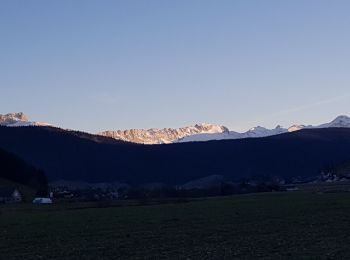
257,226
325,187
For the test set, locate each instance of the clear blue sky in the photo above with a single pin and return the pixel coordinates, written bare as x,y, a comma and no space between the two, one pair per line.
97,65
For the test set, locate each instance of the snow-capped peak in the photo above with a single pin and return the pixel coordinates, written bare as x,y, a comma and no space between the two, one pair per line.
210,128
294,128
257,129
340,121
18,119
260,131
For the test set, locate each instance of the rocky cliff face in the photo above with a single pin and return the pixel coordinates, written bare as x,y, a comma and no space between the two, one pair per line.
12,118
165,135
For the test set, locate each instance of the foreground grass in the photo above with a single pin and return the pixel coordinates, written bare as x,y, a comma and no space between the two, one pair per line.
259,226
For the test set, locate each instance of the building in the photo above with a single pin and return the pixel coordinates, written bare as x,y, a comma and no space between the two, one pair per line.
10,195
42,201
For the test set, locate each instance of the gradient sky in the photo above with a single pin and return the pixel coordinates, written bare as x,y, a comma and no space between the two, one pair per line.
98,65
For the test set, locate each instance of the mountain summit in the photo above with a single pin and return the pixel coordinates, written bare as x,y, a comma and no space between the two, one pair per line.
13,117
340,121
17,119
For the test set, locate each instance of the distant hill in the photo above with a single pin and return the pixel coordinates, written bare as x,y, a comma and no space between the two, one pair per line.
14,170
76,156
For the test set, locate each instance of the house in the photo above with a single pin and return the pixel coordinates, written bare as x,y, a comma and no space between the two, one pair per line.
10,195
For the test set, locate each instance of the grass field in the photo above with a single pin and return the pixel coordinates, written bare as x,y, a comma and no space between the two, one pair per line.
256,226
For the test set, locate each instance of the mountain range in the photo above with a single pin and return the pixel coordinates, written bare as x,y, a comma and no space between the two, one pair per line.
338,122
208,132
196,133
165,135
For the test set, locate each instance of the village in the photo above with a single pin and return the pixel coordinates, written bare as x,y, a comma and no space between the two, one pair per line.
90,193
211,186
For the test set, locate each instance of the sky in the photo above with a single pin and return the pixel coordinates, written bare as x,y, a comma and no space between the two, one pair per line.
108,65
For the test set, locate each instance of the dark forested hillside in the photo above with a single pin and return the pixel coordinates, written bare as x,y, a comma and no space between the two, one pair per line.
82,157
16,170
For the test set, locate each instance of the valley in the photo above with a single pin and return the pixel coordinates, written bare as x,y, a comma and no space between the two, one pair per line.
180,130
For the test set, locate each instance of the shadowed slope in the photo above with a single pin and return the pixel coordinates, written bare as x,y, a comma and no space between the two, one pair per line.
83,157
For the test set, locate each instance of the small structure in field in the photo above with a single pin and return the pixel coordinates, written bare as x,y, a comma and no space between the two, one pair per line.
10,195
42,201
